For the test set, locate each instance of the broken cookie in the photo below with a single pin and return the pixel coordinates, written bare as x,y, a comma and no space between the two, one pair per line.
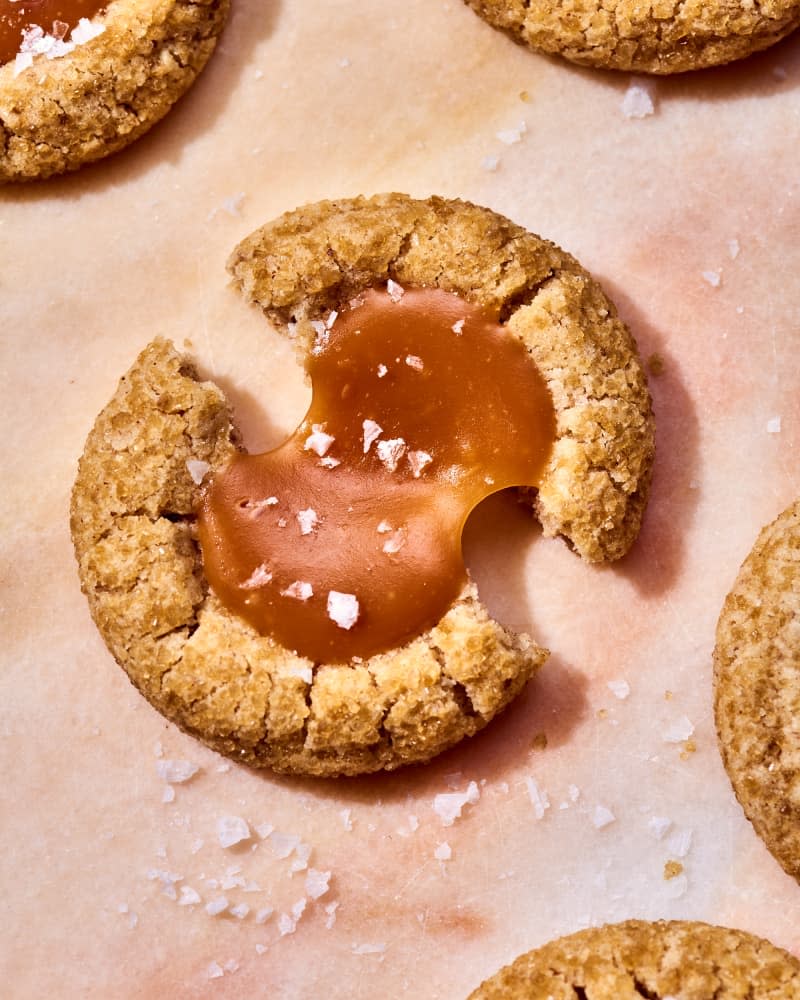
80,79
308,610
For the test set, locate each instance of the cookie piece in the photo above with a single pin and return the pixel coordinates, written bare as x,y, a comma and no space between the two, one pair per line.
666,960
757,687
60,113
670,36
135,496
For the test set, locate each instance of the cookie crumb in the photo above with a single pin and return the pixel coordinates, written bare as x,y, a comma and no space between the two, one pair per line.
655,365
232,830
672,869
539,742
637,102
343,609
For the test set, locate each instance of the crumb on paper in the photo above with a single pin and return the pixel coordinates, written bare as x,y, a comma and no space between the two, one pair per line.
539,741
774,425
300,590
679,730
448,805
655,365
232,830
540,800
372,431
713,278
637,101
308,520
394,291
619,688
602,817
443,852
672,869
260,577
689,747
197,469
343,609
510,136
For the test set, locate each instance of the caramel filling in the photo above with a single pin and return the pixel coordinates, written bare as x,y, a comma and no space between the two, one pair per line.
346,540
56,18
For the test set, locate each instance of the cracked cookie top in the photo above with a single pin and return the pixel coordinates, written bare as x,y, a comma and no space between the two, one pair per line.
668,36
69,99
666,960
757,687
139,488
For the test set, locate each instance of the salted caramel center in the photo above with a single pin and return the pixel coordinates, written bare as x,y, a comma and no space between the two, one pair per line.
346,540
56,18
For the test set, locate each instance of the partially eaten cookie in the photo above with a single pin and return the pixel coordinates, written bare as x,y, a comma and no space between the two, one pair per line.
166,440
80,79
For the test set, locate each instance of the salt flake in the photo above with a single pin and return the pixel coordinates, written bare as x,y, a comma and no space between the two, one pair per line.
300,590
679,730
189,896
260,577
443,852
343,609
774,425
395,291
372,431
318,441
540,800
509,136
620,689
390,452
602,817
217,906
418,460
713,278
232,830
317,883
448,805
198,470
637,102
308,520
415,362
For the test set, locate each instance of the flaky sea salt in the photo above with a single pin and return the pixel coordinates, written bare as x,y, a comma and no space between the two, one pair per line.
342,609
300,590
733,249
774,425
382,370
216,906
415,362
85,30
240,911
318,441
302,670
287,922
372,431
330,911
377,948
395,291
602,817
637,101
509,136
418,460
168,795
197,470
443,852
490,163
283,844
390,452
317,883
308,521
263,914
679,730
232,830
620,689
538,796
347,819
713,278
260,577
395,542
448,805
458,327
214,971
189,896
679,843
658,826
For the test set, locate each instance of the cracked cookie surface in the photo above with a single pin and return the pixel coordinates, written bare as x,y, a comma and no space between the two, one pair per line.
665,960
757,687
134,499
61,113
663,36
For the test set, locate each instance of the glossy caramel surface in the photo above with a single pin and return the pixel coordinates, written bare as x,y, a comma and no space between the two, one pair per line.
54,17
422,406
